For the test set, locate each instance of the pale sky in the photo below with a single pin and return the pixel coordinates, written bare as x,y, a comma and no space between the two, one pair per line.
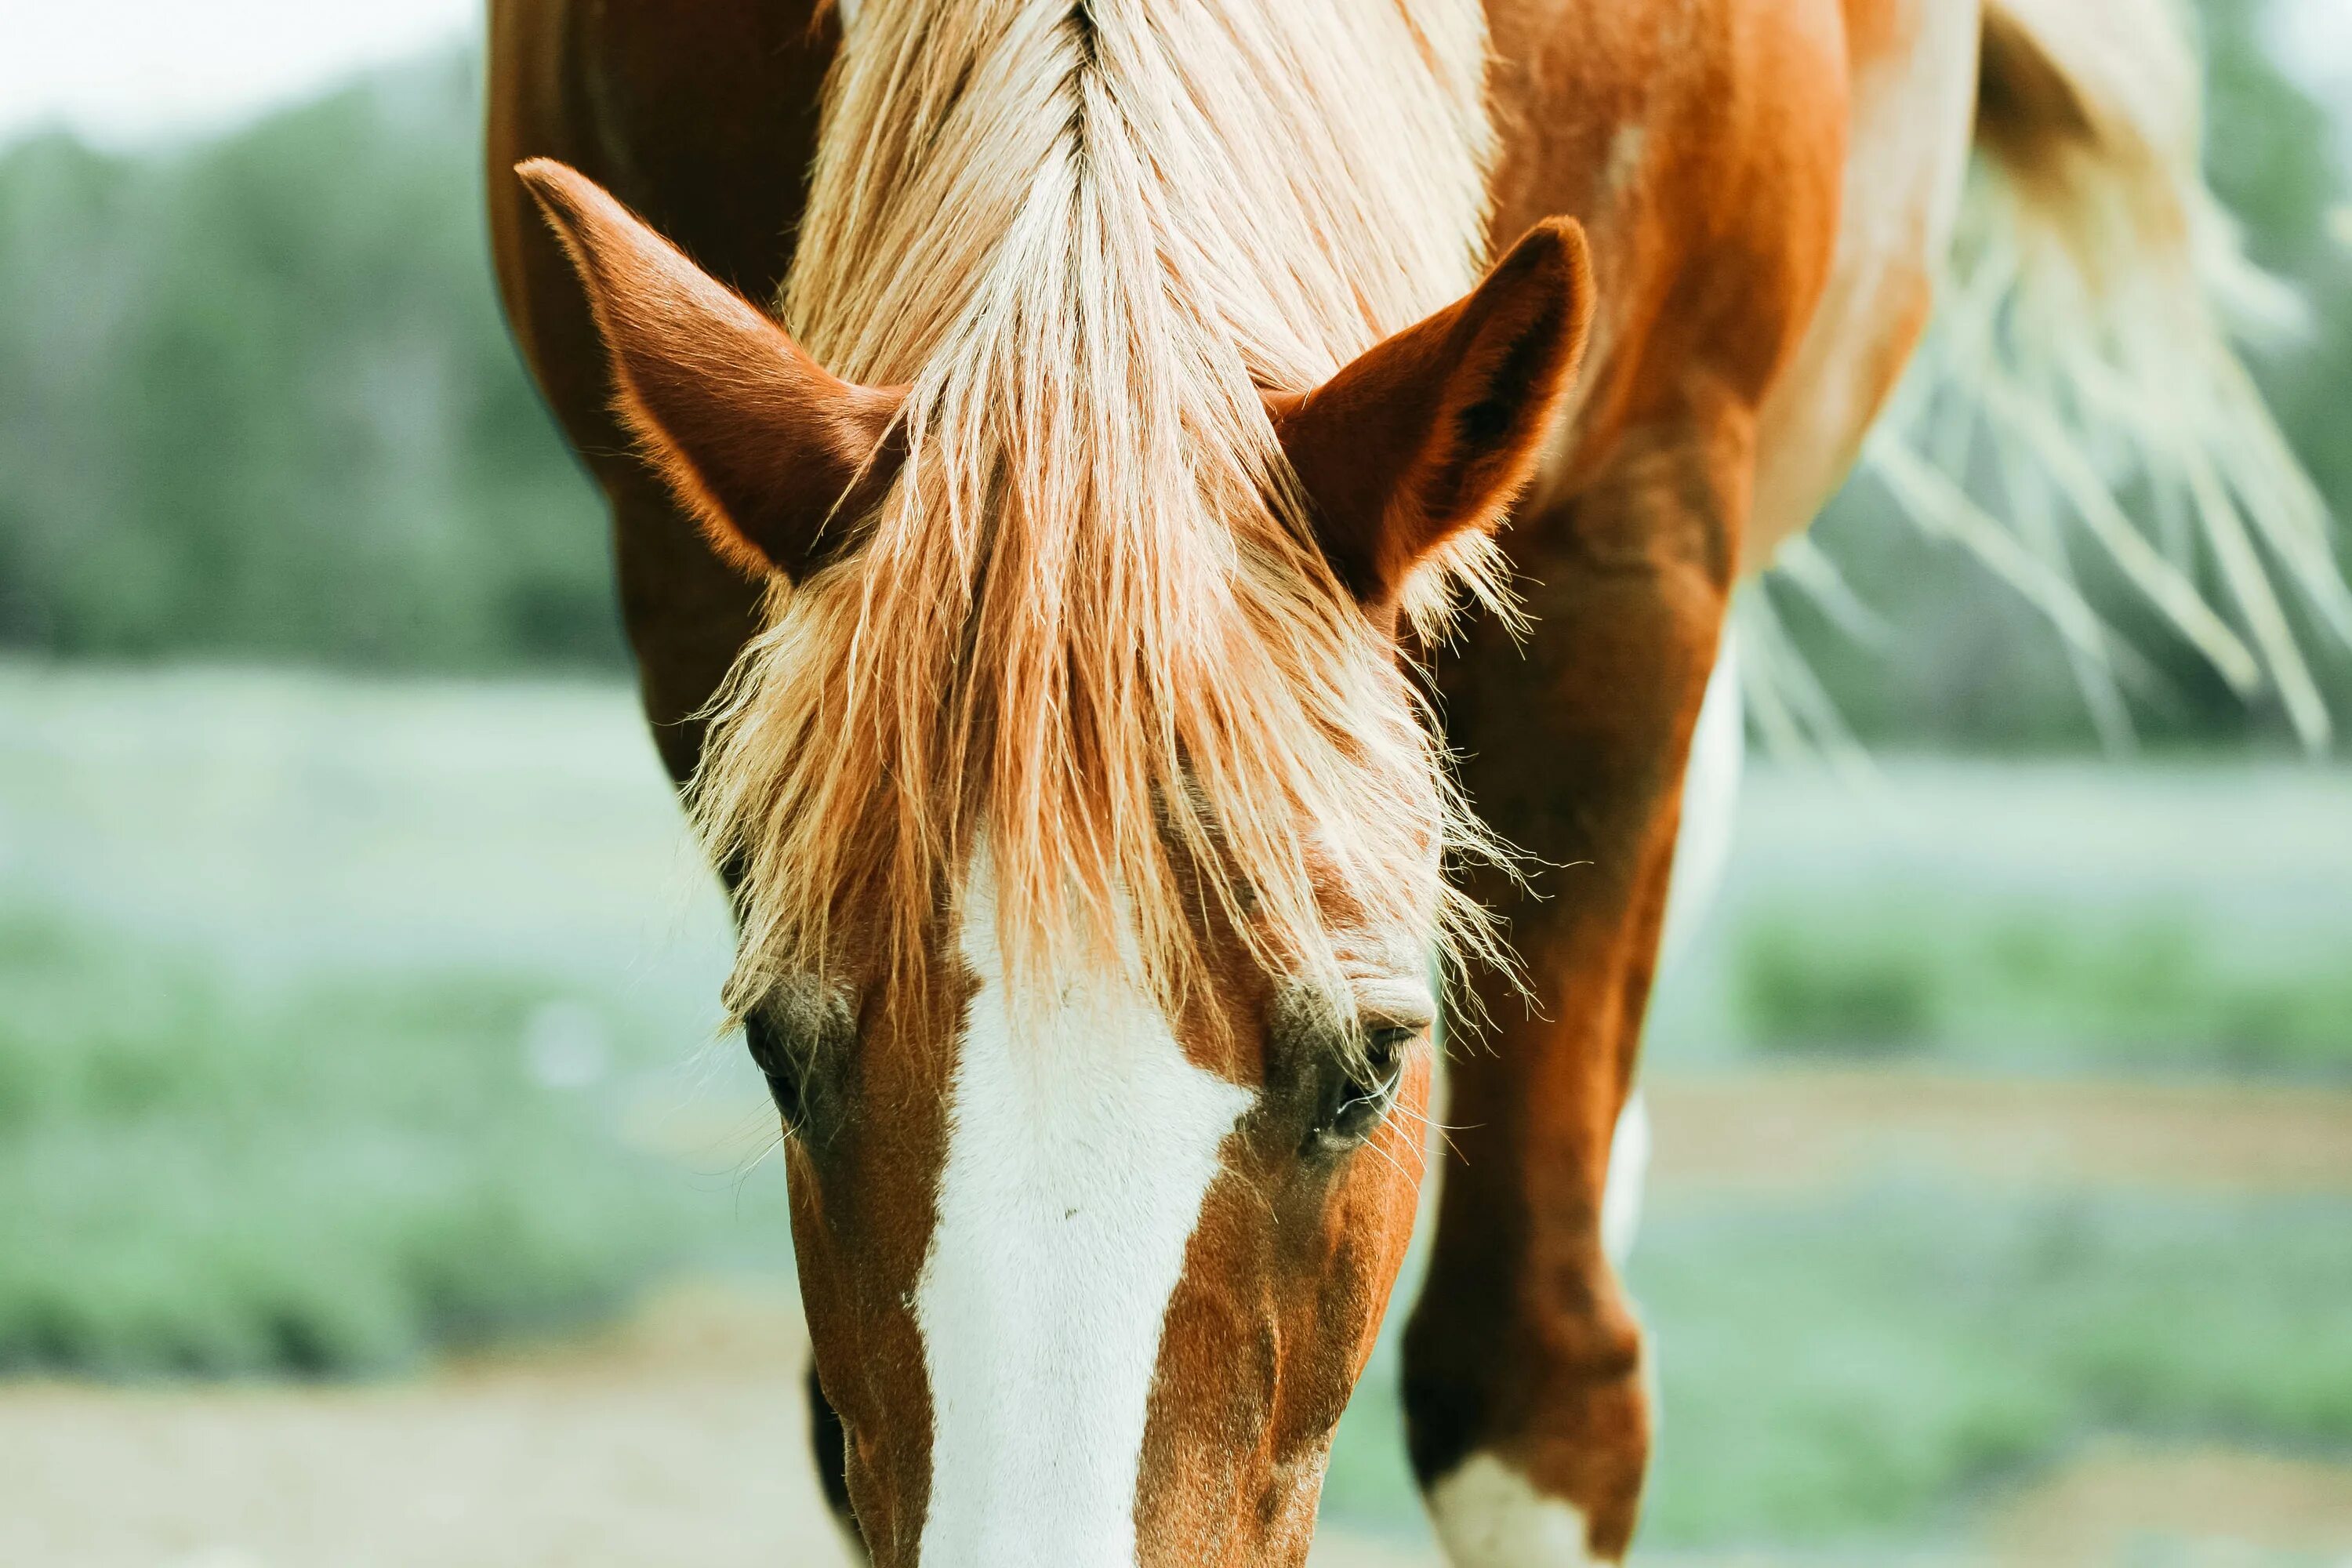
127,71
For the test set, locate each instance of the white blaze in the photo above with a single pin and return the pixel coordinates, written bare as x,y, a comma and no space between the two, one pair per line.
1079,1156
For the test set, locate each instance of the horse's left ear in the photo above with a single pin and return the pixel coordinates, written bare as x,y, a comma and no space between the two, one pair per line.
1434,431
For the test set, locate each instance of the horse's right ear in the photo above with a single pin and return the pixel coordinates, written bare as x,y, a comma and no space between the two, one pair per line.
757,439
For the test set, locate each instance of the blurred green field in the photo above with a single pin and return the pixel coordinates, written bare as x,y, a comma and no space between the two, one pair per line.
2173,917
336,1176
332,1015
342,1024
2029,989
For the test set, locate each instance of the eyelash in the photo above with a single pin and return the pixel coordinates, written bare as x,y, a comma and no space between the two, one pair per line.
772,1055
1356,1107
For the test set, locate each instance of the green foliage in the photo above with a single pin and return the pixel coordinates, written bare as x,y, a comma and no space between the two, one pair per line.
255,400
2268,148
334,1177
1870,996
2039,990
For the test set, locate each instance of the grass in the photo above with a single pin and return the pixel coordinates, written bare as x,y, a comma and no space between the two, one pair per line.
336,1178
2183,919
1885,1366
2035,988
1868,1366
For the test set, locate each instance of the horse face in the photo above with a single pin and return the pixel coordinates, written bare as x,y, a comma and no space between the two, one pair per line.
1089,1274
1089,1282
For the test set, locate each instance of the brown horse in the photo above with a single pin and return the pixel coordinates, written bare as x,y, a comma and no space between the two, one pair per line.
1031,611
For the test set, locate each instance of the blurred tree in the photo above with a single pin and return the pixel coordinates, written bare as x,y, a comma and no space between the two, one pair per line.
255,400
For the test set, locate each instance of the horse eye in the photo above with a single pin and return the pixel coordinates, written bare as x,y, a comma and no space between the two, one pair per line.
773,1054
798,1033
1362,1090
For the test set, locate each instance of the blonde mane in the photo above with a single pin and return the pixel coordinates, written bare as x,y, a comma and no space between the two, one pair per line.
1087,619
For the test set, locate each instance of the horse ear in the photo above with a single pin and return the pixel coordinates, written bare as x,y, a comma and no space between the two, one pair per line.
756,438
1434,431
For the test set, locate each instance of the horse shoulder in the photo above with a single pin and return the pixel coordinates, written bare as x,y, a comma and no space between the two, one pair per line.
1702,143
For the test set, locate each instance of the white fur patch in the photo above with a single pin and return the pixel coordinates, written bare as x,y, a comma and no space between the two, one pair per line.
1488,1515
1710,804
1622,166
1079,1156
1629,1170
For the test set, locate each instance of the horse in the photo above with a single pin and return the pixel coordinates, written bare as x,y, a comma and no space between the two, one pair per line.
1179,552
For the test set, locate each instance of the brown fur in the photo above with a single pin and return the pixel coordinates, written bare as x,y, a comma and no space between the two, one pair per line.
1267,1370
1628,578
1459,404
701,115
1763,190
1435,432
752,436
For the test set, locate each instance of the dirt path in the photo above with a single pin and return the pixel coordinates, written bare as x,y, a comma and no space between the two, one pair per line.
2210,1506
1811,1130
678,1439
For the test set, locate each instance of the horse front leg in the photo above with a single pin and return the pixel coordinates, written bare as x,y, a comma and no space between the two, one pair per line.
1526,1395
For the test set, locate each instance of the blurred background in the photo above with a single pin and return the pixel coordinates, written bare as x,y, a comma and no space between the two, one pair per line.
373,1189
